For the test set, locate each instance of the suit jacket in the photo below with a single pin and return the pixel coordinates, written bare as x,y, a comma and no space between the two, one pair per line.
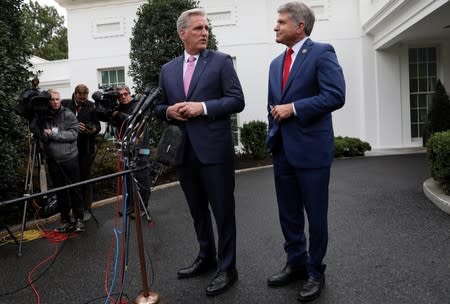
215,83
88,116
316,86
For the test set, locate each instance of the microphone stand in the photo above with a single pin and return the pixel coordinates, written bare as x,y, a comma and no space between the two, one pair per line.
132,134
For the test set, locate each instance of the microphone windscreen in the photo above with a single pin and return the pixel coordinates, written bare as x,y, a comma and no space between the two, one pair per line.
169,144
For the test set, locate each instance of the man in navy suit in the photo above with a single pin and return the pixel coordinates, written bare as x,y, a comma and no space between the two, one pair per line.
200,90
306,84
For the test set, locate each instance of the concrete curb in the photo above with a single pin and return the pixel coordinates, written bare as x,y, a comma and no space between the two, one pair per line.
435,194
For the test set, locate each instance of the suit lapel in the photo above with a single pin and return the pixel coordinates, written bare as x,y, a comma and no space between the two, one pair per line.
179,74
299,59
203,60
278,76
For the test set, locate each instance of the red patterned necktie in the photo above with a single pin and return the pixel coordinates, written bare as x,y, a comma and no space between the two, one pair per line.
287,66
188,74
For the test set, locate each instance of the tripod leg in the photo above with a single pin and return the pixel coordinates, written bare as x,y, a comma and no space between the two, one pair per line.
28,189
144,208
12,235
23,227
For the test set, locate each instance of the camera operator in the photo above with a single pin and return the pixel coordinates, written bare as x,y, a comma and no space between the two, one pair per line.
89,127
119,117
58,131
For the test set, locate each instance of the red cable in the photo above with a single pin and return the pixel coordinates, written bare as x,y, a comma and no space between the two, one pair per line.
30,274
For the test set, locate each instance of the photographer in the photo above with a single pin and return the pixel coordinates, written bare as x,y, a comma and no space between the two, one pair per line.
58,131
119,117
89,127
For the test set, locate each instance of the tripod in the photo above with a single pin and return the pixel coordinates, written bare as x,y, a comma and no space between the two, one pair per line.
34,159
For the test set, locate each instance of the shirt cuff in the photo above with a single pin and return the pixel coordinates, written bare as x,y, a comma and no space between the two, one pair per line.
293,109
205,111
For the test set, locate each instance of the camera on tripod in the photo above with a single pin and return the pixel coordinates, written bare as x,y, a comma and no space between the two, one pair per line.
106,102
31,102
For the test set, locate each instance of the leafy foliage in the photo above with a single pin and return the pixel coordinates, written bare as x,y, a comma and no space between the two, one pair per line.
350,146
14,61
45,30
253,138
154,42
439,114
438,155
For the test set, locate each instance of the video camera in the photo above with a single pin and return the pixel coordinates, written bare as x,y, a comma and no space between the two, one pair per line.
32,102
106,102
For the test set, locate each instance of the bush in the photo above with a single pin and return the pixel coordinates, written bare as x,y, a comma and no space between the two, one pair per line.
439,114
438,156
350,146
106,162
14,75
253,139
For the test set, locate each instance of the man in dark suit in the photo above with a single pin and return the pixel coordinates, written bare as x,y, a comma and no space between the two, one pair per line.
89,127
200,90
306,84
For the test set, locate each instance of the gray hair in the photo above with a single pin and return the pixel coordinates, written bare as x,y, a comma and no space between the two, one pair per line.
183,20
299,12
123,87
53,91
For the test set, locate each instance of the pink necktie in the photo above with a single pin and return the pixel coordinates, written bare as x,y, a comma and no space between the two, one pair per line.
188,74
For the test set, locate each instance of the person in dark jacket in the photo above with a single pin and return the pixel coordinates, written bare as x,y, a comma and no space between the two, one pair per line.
119,120
58,132
89,127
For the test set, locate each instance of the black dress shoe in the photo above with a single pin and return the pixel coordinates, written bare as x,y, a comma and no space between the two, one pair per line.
221,282
200,265
311,289
287,275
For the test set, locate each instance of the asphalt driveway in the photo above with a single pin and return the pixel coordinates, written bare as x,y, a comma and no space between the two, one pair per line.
388,244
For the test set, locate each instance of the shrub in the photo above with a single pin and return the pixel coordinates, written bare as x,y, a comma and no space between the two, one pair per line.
106,162
14,63
350,146
438,156
439,114
253,139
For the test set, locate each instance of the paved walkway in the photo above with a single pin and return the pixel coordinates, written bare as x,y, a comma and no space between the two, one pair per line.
388,244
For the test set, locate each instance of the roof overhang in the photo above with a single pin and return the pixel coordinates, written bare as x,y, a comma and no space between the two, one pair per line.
409,21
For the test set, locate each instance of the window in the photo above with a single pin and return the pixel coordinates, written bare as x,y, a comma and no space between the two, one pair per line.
422,83
112,77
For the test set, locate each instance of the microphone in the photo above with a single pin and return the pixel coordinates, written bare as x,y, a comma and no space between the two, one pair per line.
146,105
169,144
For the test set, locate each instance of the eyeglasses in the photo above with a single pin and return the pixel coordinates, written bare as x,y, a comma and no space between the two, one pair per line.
123,94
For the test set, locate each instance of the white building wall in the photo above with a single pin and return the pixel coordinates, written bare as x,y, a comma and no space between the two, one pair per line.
390,98
95,40
52,74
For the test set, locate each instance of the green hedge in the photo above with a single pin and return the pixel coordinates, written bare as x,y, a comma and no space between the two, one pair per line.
253,139
438,155
254,133
350,146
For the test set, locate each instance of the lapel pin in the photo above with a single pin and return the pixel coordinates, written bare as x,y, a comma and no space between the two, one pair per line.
304,51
